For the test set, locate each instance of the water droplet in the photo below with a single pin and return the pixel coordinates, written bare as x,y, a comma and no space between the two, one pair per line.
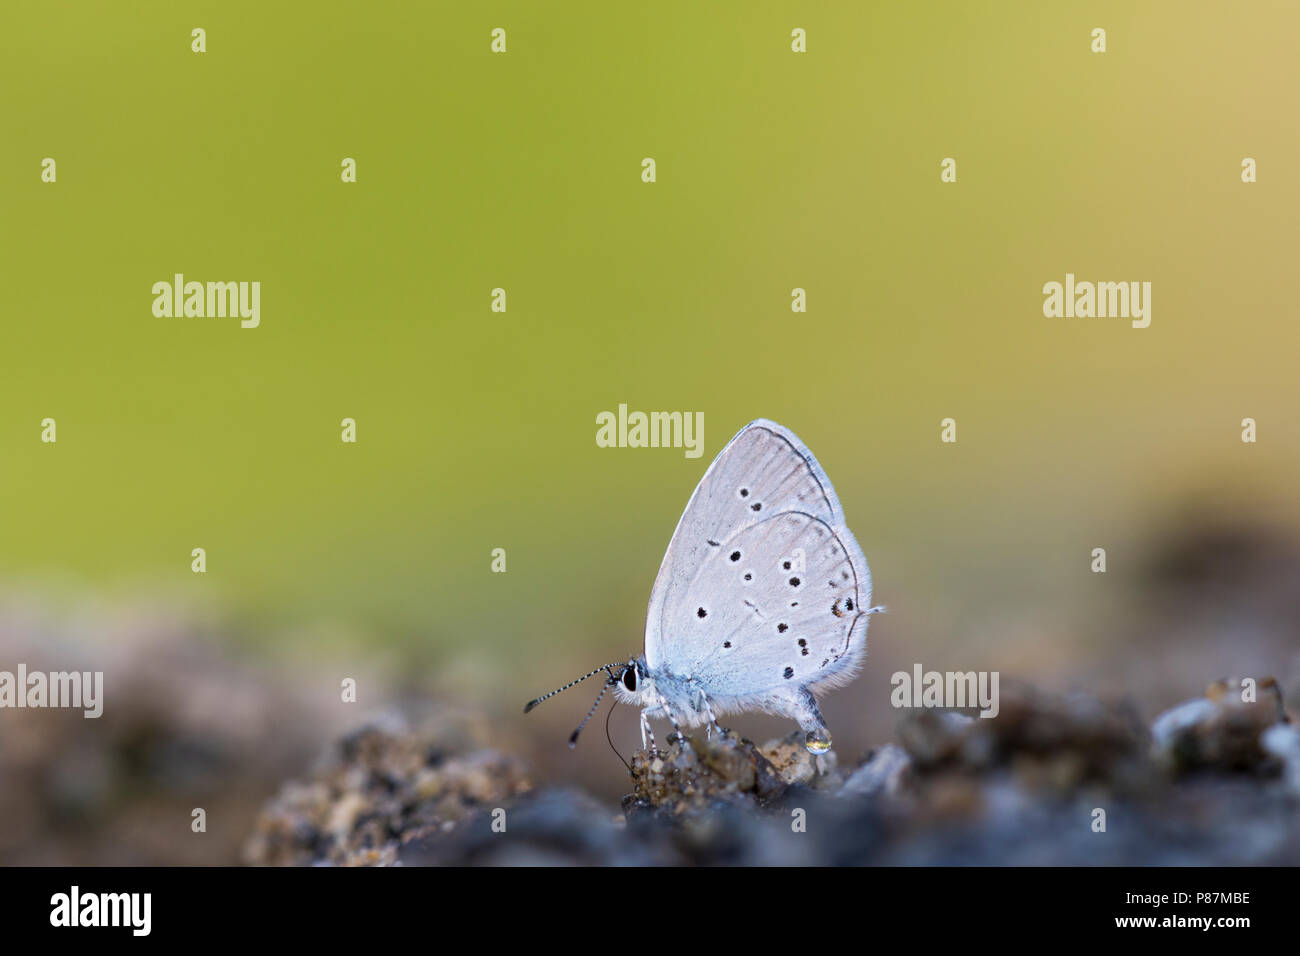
818,741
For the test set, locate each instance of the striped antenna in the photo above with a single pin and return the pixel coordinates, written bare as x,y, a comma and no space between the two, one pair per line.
537,700
573,737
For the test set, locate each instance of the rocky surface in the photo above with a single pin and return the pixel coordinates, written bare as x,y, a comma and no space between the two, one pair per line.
1213,780
187,726
382,787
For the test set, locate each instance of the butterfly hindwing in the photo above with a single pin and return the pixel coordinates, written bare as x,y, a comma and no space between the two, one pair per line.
775,608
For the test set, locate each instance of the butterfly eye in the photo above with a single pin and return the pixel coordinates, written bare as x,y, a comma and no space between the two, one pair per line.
629,677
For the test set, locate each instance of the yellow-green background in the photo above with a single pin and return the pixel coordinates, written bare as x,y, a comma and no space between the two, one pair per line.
775,170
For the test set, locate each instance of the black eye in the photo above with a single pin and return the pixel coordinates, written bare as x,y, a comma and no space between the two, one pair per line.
629,678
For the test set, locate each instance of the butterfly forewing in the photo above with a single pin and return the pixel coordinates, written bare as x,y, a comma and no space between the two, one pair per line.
764,503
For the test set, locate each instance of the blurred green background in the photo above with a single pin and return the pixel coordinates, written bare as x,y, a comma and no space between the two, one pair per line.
522,171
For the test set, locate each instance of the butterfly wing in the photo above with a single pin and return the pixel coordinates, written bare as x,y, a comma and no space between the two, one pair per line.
763,587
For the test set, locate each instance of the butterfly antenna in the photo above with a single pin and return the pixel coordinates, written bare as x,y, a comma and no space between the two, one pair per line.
573,737
537,700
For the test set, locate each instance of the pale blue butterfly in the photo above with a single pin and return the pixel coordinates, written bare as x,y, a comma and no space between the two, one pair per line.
762,599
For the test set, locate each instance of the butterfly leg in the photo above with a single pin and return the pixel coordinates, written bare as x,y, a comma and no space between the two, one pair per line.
683,740
708,712
647,733
802,706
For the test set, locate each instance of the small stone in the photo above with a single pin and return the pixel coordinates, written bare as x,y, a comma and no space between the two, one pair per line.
1220,730
1283,742
884,772
932,737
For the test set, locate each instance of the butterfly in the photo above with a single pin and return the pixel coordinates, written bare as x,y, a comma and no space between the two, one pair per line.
762,600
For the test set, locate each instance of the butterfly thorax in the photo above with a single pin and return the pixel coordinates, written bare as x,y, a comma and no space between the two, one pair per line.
654,689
